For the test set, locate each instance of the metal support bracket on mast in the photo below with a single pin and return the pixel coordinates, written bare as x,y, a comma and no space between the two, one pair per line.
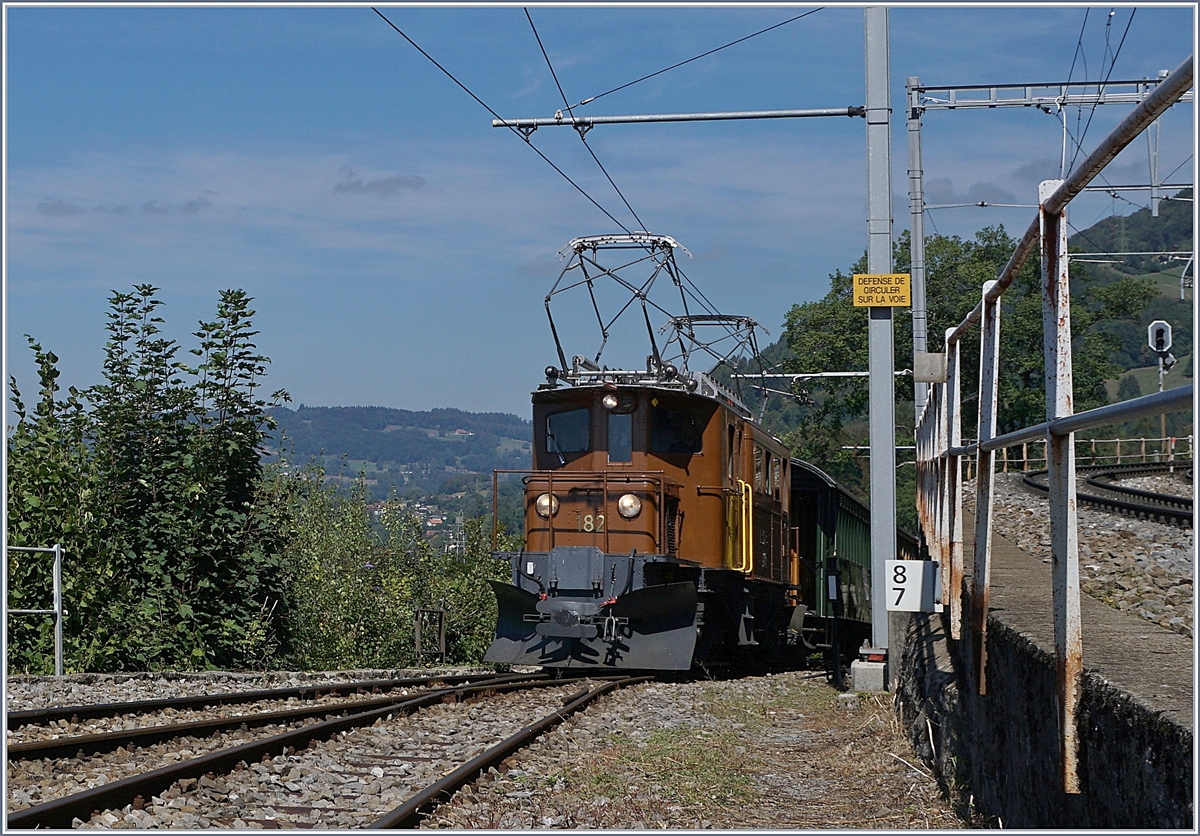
583,124
1049,97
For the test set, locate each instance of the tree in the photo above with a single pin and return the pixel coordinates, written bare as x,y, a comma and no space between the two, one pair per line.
152,481
831,335
52,488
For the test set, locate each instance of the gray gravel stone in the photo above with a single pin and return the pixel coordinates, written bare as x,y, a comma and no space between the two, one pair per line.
1137,566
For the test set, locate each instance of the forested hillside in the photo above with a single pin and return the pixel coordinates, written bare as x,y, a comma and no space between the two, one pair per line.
398,449
1143,233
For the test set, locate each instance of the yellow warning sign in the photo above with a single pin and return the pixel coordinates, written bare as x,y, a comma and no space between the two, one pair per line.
882,290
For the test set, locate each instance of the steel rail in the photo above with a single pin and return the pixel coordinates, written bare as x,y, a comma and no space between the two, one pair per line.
1167,513
1153,106
59,812
1117,471
1171,507
94,744
1099,482
74,713
410,814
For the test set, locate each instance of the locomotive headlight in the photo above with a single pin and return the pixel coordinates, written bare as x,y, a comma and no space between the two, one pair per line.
629,506
546,505
609,401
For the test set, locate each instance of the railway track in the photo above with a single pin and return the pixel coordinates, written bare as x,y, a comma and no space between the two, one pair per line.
379,759
1105,492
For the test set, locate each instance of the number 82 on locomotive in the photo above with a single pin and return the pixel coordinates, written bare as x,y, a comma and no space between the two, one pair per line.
914,586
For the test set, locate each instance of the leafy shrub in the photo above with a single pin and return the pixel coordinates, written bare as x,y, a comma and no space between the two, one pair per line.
355,588
151,481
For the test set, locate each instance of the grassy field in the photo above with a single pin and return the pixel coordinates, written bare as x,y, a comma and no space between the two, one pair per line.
1147,377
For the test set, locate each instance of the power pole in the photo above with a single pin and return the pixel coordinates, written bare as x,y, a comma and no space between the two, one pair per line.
916,204
881,346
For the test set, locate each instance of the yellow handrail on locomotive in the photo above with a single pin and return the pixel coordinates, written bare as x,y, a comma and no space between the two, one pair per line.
746,510
748,527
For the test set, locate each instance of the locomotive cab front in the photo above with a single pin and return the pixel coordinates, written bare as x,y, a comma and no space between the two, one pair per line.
609,467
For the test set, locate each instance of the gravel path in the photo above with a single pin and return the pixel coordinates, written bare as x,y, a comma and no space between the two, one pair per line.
785,751
1139,566
779,752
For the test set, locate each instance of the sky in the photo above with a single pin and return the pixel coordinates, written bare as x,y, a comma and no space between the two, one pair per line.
399,248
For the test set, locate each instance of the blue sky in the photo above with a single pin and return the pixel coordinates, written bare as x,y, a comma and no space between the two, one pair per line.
399,248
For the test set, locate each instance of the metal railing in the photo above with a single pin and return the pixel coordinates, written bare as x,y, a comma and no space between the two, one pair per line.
941,452
57,606
1025,456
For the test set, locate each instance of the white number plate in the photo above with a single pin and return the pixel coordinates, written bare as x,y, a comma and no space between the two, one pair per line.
913,585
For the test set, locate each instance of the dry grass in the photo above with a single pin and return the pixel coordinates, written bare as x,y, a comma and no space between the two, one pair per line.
784,752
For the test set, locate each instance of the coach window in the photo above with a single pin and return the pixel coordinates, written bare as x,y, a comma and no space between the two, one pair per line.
733,449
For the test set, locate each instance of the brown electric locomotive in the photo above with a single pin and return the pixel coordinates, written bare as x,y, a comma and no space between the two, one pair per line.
656,528
656,515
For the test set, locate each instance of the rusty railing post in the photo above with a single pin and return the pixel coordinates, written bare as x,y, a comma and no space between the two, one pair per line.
1064,536
954,527
943,493
985,476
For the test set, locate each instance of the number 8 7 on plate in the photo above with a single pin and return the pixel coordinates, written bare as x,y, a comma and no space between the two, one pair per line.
913,586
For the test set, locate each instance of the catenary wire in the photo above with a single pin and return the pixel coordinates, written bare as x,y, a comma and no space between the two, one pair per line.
692,289
1079,53
591,99
1079,48
582,138
485,106
1176,168
1107,76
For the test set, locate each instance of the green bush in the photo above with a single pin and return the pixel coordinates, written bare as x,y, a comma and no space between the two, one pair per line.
152,482
182,552
354,588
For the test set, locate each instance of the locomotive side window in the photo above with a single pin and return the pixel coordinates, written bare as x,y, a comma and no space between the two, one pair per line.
569,432
620,437
761,459
676,430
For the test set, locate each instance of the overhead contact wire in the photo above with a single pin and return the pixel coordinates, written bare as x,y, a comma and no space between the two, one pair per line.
1107,76
591,99
582,138
485,106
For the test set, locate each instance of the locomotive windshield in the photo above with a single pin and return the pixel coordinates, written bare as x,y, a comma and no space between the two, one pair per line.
569,432
620,437
677,430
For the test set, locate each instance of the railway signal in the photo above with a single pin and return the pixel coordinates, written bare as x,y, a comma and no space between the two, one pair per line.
1159,336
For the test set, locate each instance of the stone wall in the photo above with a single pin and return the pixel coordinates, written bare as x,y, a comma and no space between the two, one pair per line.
998,755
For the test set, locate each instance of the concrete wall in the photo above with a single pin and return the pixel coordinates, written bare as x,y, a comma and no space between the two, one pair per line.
998,755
